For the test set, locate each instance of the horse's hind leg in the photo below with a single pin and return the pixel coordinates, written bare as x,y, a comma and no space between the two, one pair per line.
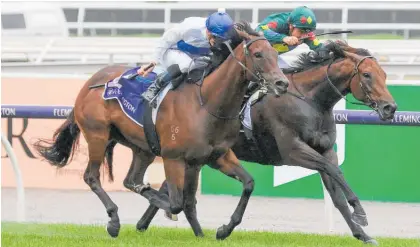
135,176
229,165
134,180
340,201
97,140
151,211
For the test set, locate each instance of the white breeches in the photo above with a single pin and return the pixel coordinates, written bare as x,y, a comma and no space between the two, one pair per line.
282,63
184,61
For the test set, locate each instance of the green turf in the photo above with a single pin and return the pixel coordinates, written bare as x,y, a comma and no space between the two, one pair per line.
20,235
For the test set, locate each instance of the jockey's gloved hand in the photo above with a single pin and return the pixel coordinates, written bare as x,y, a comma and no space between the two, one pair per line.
321,54
325,52
206,58
218,43
144,70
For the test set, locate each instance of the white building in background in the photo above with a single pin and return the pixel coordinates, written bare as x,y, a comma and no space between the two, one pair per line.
134,18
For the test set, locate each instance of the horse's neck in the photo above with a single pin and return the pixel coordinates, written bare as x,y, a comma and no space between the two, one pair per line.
319,89
223,90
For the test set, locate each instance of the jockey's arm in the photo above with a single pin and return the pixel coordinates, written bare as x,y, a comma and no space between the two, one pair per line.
168,39
271,35
312,41
321,50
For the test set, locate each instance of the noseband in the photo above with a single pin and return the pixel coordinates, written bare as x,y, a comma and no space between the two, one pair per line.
257,74
363,86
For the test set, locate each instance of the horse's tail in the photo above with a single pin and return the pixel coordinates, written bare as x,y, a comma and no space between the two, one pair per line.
109,154
60,150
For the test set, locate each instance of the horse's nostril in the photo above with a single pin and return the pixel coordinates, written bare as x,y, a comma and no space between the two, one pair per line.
282,83
390,108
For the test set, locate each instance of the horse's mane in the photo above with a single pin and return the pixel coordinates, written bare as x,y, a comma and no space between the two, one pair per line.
240,32
359,51
312,60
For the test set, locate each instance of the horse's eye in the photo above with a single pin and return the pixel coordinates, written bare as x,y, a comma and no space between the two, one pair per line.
366,75
258,55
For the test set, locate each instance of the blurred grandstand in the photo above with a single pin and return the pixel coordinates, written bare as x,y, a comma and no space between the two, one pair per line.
59,37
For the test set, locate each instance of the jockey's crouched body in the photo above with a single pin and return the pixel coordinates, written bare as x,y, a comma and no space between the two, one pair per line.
179,47
284,31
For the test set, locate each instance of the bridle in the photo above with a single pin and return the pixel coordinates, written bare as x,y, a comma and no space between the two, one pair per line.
257,75
370,102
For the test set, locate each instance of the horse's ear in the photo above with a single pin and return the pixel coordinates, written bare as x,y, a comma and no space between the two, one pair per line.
244,35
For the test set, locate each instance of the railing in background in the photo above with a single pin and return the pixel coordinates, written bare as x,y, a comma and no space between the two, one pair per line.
255,8
20,188
399,58
365,117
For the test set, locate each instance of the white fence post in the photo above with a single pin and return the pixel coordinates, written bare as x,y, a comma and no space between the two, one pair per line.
80,21
19,182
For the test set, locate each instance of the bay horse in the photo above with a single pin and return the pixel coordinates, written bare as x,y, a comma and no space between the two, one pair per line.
298,128
195,124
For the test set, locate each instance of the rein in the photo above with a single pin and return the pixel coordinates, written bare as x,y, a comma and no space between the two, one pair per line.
363,86
257,75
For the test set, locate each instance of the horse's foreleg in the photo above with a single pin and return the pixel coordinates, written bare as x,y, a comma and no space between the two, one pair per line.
190,188
96,145
229,165
340,201
299,153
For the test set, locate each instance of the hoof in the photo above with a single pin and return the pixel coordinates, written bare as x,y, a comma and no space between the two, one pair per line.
141,227
113,229
170,216
372,242
359,219
222,233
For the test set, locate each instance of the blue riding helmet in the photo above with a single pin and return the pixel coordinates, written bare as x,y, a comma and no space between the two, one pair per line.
218,24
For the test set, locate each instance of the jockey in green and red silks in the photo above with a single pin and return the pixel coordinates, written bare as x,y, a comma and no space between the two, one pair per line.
283,31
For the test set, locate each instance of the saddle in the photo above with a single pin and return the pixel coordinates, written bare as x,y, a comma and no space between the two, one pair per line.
152,137
193,76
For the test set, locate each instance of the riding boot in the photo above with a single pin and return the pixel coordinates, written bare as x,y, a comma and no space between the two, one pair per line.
161,81
154,88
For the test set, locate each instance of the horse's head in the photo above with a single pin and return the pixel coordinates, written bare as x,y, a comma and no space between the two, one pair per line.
261,60
368,84
367,80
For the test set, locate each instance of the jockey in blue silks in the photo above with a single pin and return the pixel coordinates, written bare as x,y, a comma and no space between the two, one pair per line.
180,45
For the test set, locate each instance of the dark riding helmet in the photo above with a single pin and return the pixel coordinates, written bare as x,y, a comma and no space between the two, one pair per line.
303,18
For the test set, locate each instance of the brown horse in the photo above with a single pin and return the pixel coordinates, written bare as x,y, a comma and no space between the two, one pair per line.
195,124
298,128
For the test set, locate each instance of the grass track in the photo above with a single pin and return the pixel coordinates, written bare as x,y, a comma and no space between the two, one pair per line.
20,235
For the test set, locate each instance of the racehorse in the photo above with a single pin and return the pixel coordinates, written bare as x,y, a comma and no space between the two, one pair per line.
196,124
298,127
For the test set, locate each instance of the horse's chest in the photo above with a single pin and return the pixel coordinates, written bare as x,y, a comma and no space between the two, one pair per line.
317,130
320,140
198,141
